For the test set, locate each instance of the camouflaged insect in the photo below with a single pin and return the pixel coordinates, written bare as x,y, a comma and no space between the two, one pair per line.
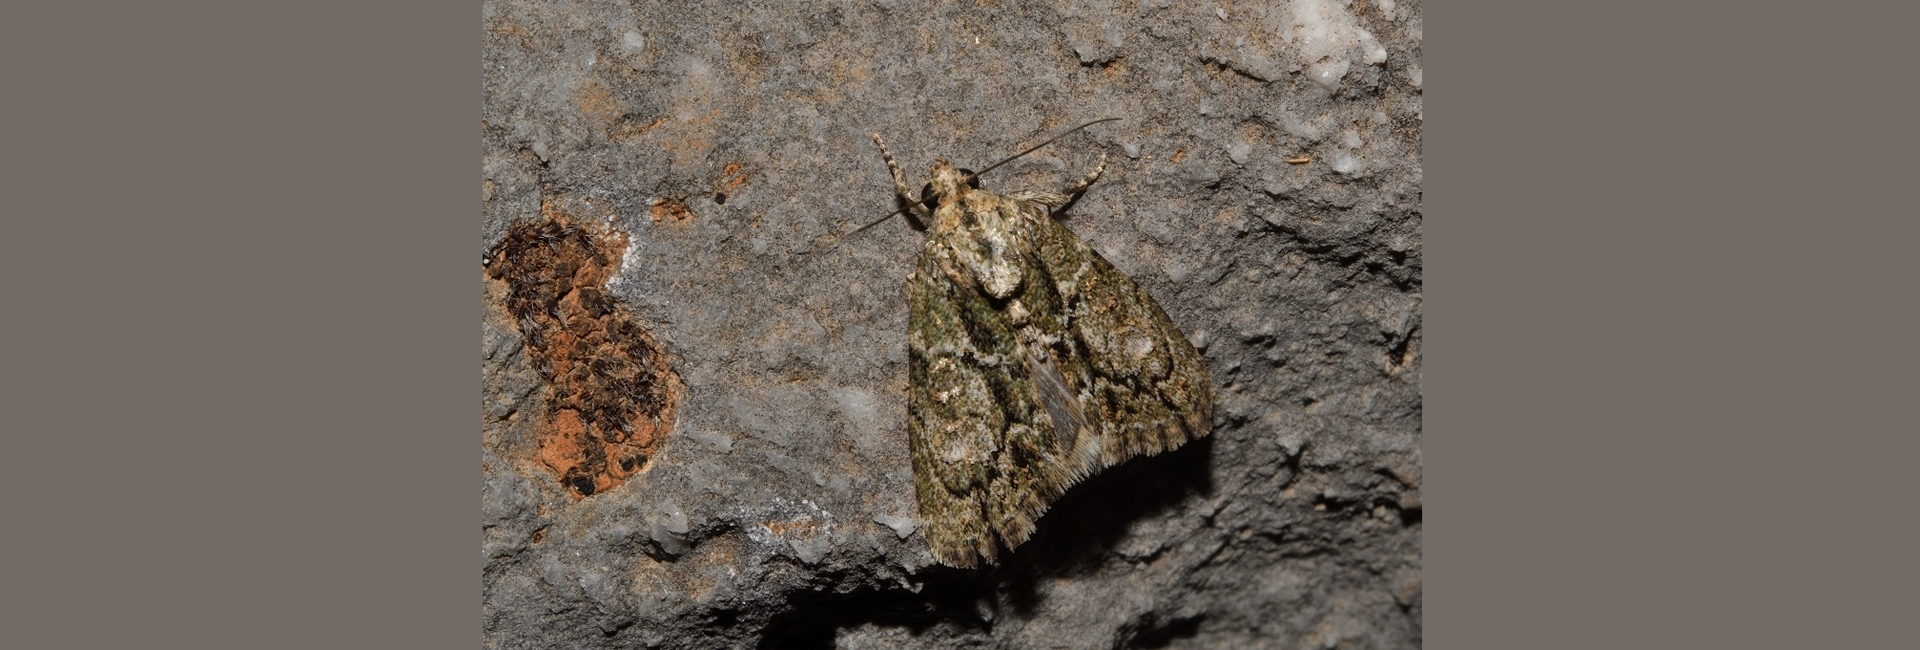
1033,364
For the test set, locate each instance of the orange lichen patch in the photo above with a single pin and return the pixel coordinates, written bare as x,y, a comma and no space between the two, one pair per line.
518,34
733,171
689,141
612,398
630,130
669,211
731,178
803,525
596,100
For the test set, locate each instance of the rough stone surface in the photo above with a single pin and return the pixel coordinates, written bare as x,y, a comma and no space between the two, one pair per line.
728,140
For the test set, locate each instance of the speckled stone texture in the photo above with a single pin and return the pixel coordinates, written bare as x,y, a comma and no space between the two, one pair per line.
729,141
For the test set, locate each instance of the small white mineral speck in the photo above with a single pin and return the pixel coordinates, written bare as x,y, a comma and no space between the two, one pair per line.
1239,151
902,525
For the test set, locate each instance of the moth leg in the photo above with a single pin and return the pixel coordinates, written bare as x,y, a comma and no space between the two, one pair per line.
900,184
1054,200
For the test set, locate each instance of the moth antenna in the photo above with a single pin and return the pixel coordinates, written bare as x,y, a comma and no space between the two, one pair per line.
878,221
1038,146
842,238
969,179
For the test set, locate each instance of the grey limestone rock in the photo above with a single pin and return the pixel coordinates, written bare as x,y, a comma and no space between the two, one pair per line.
728,141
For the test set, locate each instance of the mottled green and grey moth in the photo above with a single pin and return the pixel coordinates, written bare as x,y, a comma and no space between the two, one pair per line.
1033,363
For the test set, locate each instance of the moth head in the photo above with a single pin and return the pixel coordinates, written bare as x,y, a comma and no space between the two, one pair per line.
947,181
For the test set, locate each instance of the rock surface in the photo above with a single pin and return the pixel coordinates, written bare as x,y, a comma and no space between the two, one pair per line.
1263,186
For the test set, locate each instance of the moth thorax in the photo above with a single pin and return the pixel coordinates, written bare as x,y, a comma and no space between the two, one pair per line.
999,272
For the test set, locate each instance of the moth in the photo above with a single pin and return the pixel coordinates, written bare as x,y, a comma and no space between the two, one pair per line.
1033,362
